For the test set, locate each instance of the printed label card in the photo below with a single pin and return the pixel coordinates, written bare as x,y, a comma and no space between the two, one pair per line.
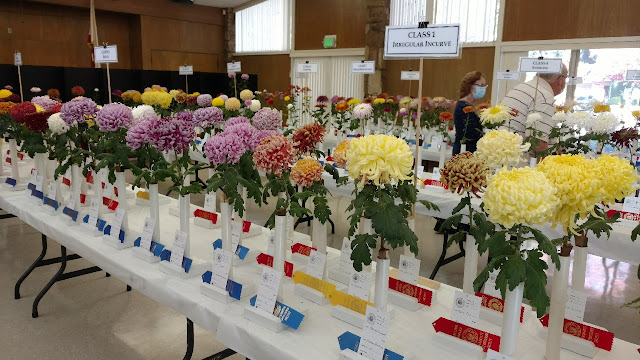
268,290
315,264
177,251
360,284
147,233
374,333
408,269
221,266
466,309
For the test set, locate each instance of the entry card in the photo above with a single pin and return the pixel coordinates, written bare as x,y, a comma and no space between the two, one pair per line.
221,266
117,223
466,309
236,231
633,75
435,175
108,190
574,80
39,180
268,290
106,54
147,233
177,251
409,75
507,75
34,176
536,65
17,59
71,202
363,67
494,355
185,70
576,303
271,246
360,284
210,203
374,333
93,213
315,264
346,264
420,171
631,204
53,189
408,269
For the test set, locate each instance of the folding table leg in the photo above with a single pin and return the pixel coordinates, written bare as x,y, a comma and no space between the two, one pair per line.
189,353
63,265
35,264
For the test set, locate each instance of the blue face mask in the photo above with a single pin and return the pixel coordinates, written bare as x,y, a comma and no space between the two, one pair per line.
479,92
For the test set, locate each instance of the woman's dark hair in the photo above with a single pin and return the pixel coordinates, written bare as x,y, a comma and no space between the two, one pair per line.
467,81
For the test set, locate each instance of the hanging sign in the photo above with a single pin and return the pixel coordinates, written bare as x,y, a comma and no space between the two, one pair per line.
434,41
537,65
185,70
410,75
363,67
17,59
507,75
631,74
574,80
234,67
106,54
307,68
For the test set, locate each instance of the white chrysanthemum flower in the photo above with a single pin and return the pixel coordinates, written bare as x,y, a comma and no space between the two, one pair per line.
604,123
533,118
499,148
559,117
140,111
579,119
57,125
290,106
362,111
255,105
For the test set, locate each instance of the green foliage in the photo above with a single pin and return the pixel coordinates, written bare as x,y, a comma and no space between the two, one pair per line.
635,232
361,254
599,223
429,205
340,180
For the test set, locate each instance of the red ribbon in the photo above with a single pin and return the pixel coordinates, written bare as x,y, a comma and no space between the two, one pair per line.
496,304
83,198
624,215
302,249
66,181
109,203
602,339
435,183
246,225
20,156
8,160
267,260
115,189
199,213
467,333
90,177
423,295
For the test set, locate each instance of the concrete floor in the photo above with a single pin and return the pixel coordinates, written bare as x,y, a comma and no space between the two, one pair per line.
93,317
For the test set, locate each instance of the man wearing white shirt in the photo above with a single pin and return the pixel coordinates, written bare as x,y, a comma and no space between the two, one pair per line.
521,99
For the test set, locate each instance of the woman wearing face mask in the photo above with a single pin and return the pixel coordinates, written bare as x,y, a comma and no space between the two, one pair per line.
465,117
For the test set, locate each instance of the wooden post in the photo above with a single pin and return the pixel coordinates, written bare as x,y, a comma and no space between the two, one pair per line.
418,160
20,81
109,83
186,83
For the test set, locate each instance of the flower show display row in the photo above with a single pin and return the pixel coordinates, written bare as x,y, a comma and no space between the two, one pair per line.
253,154
410,333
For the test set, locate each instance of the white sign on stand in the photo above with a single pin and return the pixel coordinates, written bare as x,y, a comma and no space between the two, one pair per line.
374,333
234,67
106,54
17,59
307,68
363,67
633,75
147,233
185,70
410,75
466,308
537,65
574,80
434,41
507,75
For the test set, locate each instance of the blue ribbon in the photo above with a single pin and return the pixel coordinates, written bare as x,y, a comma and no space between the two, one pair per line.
107,231
50,202
156,248
287,314
351,341
70,213
30,186
99,224
233,288
12,182
165,255
241,251
37,194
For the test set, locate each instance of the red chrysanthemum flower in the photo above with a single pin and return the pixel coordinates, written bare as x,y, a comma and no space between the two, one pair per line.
624,137
77,91
21,110
274,154
445,116
37,121
270,102
53,93
307,137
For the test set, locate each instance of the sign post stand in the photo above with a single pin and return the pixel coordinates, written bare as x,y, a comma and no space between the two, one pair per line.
17,61
186,70
106,54
234,67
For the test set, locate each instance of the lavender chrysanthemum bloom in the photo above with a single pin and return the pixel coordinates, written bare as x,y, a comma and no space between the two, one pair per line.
8,87
245,132
261,134
224,97
171,134
322,99
335,99
204,100
185,115
138,133
245,76
207,116
231,75
247,102
45,102
236,120
114,116
267,119
77,110
224,148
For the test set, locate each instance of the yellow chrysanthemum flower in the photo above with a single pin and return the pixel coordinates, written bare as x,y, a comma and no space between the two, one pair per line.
287,98
618,178
306,171
599,107
500,148
157,97
232,104
378,101
390,100
4,93
636,113
137,97
379,159
520,196
39,108
174,92
246,94
90,122
217,102
579,184
353,102
195,94
496,115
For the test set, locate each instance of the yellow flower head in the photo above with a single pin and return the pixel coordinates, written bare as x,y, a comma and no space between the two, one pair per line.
4,93
378,101
636,113
390,100
500,148
520,196
405,100
287,98
618,178
246,94
157,97
90,122
465,172
137,97
306,171
579,184
217,102
353,102
39,108
496,115
599,107
174,92
340,154
232,104
379,159
195,94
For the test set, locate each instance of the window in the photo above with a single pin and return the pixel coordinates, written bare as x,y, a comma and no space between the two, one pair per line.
478,19
264,27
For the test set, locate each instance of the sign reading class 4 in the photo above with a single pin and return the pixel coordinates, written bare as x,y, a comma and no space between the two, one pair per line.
434,41
106,54
540,65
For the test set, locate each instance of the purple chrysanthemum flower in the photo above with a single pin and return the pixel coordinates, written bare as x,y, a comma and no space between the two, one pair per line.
335,99
45,102
267,119
171,134
224,97
138,133
8,87
207,116
236,120
114,116
78,110
245,76
185,115
224,148
245,132
247,103
204,100
231,75
322,99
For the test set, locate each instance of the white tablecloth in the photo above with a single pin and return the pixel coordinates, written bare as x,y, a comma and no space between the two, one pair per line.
410,333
